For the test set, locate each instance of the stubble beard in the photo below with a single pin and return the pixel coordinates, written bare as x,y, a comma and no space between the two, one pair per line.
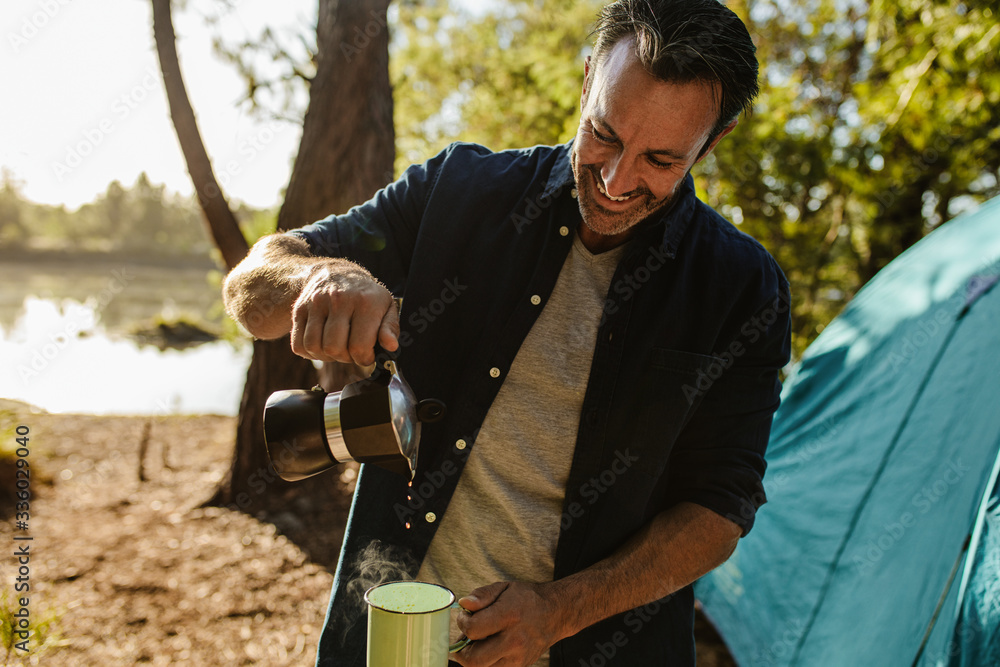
601,220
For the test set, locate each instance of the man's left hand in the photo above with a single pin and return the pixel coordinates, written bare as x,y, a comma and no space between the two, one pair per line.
512,623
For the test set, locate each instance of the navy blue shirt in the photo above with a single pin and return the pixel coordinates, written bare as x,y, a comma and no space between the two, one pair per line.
682,388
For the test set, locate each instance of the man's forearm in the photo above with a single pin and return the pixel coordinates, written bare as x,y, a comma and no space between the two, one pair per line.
260,292
677,547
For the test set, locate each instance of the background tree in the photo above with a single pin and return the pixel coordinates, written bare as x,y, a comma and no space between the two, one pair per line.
220,219
345,155
12,229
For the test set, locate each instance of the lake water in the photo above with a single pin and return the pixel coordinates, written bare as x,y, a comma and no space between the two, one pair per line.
64,345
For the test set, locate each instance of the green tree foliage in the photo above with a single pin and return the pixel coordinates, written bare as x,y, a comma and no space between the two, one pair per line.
876,123
141,219
506,78
12,226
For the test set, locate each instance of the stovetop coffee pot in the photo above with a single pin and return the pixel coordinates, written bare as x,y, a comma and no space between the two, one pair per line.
375,420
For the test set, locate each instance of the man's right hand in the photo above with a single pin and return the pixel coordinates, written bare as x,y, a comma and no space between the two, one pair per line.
339,315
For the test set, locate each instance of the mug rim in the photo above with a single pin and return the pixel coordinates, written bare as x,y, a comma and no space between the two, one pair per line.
372,605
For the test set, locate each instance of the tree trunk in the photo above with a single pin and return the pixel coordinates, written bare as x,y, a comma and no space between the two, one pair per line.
348,143
221,221
346,154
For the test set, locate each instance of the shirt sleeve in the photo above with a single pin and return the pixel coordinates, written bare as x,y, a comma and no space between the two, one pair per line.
718,462
380,234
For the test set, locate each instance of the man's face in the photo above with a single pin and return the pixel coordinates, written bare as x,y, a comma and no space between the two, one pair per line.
638,138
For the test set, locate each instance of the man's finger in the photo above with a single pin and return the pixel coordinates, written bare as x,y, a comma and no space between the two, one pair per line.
388,331
307,332
483,596
334,342
479,653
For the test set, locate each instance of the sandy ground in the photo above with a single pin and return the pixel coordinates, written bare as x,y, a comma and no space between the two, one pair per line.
136,572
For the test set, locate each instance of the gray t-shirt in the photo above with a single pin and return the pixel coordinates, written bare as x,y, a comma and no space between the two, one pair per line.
503,522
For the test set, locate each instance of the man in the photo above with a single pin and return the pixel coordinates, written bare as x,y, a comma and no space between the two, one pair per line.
607,345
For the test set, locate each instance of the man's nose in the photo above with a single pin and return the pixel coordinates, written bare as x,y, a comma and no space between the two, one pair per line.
619,175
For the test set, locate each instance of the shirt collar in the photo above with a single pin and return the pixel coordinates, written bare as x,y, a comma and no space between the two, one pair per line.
674,222
561,174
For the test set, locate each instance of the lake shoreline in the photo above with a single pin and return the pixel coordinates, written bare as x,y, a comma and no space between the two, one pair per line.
91,258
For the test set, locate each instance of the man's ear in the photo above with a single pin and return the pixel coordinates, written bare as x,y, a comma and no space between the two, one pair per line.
708,148
586,83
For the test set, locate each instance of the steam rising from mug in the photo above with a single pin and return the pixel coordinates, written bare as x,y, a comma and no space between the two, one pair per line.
375,420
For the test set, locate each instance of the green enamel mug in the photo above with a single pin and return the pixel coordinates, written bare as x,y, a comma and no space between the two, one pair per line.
408,623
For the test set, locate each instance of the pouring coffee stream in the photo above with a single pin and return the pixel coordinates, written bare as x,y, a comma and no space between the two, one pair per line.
375,420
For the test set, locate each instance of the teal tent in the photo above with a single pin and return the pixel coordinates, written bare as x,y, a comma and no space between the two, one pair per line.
880,544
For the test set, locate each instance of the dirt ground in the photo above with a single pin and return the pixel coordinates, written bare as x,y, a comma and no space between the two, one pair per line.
135,571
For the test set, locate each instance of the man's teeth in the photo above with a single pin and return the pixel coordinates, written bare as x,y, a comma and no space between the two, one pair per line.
611,197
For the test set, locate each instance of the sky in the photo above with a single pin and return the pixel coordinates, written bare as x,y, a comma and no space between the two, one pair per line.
83,102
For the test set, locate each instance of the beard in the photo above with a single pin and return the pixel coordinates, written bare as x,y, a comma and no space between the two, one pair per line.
604,221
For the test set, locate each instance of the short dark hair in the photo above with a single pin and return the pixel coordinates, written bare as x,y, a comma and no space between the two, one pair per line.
686,40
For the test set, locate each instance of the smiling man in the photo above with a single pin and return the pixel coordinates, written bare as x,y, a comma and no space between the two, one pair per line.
610,361
639,137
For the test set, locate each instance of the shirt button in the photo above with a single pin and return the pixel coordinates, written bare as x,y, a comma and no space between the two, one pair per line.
494,372
431,517
573,193
564,231
460,444
535,299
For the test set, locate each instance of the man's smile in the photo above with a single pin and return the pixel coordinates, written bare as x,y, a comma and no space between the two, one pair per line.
600,186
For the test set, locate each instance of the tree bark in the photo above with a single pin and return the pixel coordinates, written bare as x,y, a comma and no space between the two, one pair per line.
219,217
348,142
345,155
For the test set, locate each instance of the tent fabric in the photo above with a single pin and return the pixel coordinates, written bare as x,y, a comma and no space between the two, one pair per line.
880,543
976,634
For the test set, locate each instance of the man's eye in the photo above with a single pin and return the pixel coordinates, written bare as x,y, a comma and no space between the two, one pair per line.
603,138
660,165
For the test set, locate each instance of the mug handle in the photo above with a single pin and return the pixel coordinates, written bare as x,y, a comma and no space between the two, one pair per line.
460,644
464,641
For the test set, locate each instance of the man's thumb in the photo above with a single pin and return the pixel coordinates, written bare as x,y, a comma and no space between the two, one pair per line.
483,596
